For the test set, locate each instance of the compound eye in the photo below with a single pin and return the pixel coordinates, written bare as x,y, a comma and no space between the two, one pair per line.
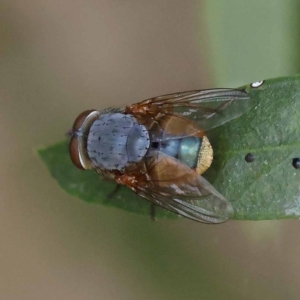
75,153
78,141
82,118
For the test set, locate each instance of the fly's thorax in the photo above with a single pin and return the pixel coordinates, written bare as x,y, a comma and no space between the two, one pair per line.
107,141
116,140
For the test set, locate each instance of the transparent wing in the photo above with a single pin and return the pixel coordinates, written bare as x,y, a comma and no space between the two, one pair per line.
174,186
207,108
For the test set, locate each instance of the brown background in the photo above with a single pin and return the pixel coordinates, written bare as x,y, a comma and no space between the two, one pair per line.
59,58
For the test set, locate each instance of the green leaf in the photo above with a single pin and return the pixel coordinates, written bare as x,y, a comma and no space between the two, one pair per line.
267,188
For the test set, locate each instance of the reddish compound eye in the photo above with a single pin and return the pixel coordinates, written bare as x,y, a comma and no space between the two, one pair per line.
81,119
78,141
74,152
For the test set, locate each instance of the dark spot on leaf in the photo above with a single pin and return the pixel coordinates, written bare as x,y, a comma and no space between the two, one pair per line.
249,157
296,163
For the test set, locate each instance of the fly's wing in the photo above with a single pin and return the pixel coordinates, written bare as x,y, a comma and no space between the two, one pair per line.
174,186
207,108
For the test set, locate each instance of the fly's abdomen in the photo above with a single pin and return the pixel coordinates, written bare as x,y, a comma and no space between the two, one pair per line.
189,151
193,151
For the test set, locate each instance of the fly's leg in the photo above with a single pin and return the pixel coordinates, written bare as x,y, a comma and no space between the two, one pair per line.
131,181
114,192
152,212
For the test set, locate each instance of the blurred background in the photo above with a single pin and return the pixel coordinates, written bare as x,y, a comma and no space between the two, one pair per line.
58,58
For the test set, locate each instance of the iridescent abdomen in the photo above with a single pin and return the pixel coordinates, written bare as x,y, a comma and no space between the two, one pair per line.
196,152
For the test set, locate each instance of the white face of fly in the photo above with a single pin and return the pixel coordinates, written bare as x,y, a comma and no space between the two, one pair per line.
116,140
